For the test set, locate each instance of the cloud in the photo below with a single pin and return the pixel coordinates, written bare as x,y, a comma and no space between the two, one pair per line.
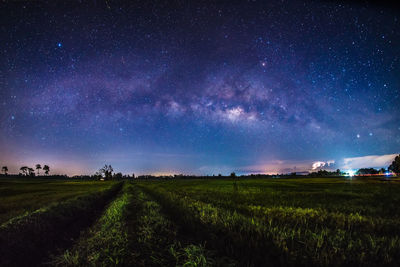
280,166
320,164
373,161
288,166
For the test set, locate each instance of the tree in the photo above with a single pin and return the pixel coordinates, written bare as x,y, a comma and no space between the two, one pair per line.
31,172
133,176
107,171
5,170
395,166
38,167
98,175
118,175
24,170
46,169
233,174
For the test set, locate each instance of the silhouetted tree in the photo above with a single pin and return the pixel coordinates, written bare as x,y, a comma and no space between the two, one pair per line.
395,166
46,169
38,167
107,171
118,175
382,171
31,172
233,174
98,175
5,170
133,176
24,170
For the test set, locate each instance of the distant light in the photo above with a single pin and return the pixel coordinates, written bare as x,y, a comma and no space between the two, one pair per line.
370,134
358,135
59,44
12,117
351,173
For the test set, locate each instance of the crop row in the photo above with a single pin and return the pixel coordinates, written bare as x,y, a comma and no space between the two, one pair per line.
39,233
313,218
133,231
282,236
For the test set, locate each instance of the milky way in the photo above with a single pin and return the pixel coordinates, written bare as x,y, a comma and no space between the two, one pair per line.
198,88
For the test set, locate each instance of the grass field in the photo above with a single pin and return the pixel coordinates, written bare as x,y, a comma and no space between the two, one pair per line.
20,196
237,222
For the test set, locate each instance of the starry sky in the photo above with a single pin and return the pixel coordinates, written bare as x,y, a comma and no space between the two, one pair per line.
198,87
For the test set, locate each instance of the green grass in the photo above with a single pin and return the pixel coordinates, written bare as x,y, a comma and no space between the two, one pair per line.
133,232
157,240
290,221
21,196
213,222
106,242
52,227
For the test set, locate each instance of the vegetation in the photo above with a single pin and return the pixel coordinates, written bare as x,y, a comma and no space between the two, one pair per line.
19,197
105,243
4,169
395,166
133,231
208,222
289,221
38,168
46,169
107,171
52,227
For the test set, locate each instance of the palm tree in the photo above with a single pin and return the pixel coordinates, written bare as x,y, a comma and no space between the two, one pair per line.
24,170
38,167
5,170
31,172
46,169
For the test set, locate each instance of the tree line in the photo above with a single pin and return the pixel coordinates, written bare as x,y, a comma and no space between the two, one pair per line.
106,172
28,171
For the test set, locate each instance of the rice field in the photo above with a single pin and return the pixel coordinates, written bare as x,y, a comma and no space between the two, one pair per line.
208,222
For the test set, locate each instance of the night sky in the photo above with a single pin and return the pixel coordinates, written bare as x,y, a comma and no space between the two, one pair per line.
198,88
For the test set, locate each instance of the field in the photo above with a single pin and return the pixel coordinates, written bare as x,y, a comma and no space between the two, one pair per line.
20,196
205,222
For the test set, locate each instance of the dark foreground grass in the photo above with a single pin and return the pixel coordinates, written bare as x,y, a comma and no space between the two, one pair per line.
28,240
322,222
106,242
254,222
21,196
158,241
134,232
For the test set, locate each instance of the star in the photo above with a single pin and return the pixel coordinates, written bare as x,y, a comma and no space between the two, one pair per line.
186,80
